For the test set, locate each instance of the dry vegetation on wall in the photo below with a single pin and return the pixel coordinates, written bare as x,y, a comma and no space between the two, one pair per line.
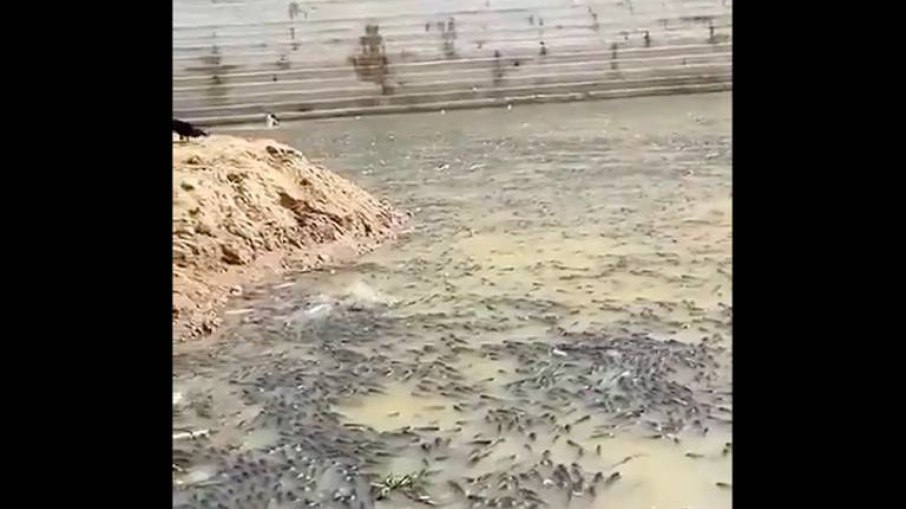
244,209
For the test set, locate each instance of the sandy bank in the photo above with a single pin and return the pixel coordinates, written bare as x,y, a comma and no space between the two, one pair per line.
246,209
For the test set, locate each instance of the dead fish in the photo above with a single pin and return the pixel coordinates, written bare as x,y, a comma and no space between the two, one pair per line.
625,460
545,458
476,456
511,458
724,485
694,455
456,487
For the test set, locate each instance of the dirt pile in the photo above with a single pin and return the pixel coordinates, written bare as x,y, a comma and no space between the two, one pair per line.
244,209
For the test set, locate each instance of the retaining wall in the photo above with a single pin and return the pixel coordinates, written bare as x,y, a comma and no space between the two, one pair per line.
234,60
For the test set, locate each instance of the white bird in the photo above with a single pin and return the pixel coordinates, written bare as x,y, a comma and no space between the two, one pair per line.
271,120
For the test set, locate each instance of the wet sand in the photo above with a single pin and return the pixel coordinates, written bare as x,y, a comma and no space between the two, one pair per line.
555,332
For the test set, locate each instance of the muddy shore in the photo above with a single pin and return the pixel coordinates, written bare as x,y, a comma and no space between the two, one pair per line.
556,331
245,210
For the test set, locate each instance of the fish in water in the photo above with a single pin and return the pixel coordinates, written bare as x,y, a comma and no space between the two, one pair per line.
186,130
272,120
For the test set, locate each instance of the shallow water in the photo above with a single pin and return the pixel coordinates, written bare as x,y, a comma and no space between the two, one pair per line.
555,250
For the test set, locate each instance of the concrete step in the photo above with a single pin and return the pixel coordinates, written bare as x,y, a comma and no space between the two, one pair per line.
564,54
313,71
535,77
392,13
275,46
415,32
333,56
407,76
445,96
239,119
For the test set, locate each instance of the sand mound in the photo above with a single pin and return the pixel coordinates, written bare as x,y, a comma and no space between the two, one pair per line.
243,209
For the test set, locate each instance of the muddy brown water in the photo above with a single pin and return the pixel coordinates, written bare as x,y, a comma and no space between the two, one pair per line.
556,251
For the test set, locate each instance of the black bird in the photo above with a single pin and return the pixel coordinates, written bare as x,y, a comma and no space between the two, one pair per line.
186,130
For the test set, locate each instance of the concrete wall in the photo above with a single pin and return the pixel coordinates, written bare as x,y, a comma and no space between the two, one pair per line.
233,60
